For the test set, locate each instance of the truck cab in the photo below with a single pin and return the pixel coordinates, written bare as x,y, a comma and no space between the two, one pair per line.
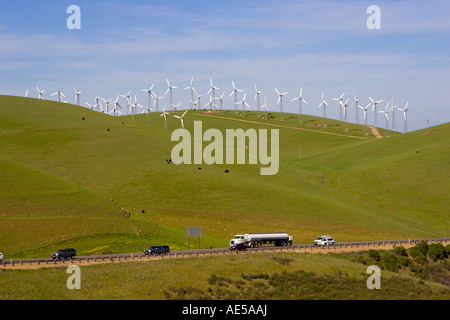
238,239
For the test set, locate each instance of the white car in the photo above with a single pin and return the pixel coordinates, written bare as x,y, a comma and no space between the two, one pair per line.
1,257
324,241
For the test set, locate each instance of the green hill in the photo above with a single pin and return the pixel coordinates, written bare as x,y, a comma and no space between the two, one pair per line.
65,161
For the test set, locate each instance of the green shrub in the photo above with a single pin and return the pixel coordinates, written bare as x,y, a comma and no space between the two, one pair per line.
423,246
436,251
388,260
400,251
417,254
374,254
447,249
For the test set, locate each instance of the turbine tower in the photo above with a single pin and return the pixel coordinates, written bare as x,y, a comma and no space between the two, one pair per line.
340,104
258,105
169,89
300,99
235,91
220,100
404,110
77,96
365,115
280,101
344,107
356,100
393,108
374,109
150,94
324,104
156,101
212,90
265,105
244,103
386,111
191,86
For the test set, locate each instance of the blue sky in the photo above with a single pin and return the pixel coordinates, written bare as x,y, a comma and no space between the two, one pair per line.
315,45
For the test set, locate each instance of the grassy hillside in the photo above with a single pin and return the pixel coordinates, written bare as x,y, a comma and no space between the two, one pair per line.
330,181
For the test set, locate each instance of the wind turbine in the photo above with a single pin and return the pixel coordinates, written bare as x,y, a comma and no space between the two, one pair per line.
59,93
181,118
264,106
133,107
26,94
116,104
365,114
150,93
404,110
235,91
280,101
191,86
41,93
340,104
169,89
220,100
156,101
344,107
258,104
98,103
127,96
386,111
356,108
300,99
374,109
91,106
107,104
212,90
77,96
393,107
324,104
198,100
210,103
244,103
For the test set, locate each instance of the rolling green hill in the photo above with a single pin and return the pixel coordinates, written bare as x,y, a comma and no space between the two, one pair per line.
68,171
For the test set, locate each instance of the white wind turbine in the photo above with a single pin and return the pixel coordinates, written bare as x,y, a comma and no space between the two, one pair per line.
77,96
235,91
265,106
340,104
169,90
116,105
181,118
404,110
300,99
156,101
386,111
393,108
150,94
198,101
280,102
108,102
210,103
212,90
365,115
324,104
98,103
127,96
356,100
91,106
374,109
191,86
258,104
134,106
220,100
41,93
26,94
344,107
59,93
244,104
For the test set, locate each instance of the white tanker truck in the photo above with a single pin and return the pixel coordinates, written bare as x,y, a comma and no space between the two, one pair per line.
253,240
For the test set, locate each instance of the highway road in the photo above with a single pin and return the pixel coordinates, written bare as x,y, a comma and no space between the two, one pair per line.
339,246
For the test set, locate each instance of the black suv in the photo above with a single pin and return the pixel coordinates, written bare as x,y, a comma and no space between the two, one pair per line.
157,250
64,254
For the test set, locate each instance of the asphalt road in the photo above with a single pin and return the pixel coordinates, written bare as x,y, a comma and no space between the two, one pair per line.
212,251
